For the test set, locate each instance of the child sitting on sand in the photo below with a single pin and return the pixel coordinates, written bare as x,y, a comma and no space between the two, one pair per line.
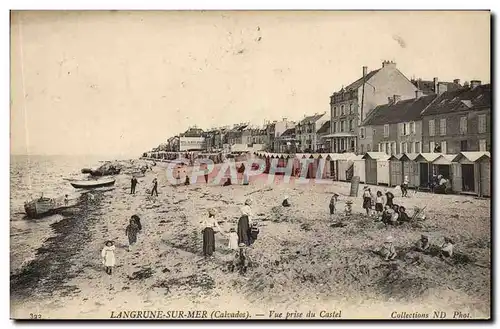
387,250
108,256
447,248
285,202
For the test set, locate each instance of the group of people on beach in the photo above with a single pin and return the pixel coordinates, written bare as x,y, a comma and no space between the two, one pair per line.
239,238
388,251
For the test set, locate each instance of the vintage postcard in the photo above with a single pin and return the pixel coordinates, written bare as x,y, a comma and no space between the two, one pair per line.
321,165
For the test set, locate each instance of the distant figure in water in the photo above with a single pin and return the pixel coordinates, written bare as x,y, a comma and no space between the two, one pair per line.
155,187
66,200
285,202
244,223
208,225
137,220
131,232
108,256
133,183
227,182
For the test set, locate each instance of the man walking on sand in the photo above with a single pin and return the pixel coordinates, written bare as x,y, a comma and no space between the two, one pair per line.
133,183
155,187
131,233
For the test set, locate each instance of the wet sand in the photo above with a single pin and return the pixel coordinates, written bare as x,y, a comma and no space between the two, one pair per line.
299,262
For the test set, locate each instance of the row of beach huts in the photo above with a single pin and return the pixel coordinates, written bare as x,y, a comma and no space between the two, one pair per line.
467,172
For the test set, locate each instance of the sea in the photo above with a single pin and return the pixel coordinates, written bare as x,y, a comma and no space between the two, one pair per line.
30,176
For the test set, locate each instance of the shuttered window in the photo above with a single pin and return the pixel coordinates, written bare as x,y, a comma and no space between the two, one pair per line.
432,127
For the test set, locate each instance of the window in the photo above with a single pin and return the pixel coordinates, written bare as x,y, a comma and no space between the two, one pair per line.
482,145
393,148
443,147
482,123
362,133
351,125
463,125
334,111
387,148
342,110
405,129
411,147
386,130
442,127
342,126
350,108
412,127
431,128
400,147
432,146
368,148
362,148
334,127
463,146
417,147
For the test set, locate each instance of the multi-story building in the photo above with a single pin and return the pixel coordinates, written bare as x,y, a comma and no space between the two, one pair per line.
458,120
274,130
395,127
287,143
307,132
235,135
322,142
350,106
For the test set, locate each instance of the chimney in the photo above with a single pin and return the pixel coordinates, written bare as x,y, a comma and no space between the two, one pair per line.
475,83
436,85
418,93
388,63
284,119
365,71
396,98
456,81
442,88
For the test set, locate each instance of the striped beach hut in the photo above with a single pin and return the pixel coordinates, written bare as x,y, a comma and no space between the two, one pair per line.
472,173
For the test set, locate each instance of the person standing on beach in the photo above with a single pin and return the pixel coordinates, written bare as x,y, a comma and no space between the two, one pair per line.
131,232
367,200
244,223
137,220
155,187
404,187
206,172
333,203
133,183
209,234
108,256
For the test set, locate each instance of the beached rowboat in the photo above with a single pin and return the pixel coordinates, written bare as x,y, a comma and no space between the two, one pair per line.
93,183
39,207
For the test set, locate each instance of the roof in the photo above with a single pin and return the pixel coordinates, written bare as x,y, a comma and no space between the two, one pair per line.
472,156
358,83
427,157
427,87
402,111
396,157
192,132
376,155
408,156
288,132
325,128
444,159
311,118
460,100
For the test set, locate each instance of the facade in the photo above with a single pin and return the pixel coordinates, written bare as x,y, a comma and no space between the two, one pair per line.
235,135
324,143
306,132
350,106
395,127
458,121
287,142
191,143
274,130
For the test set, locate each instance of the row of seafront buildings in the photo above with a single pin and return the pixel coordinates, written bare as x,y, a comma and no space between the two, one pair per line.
381,111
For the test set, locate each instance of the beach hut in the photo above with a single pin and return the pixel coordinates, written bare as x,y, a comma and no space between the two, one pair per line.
359,168
376,168
410,169
442,165
472,173
423,162
395,170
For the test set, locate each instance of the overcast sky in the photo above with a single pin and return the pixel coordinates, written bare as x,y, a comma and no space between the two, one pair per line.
120,83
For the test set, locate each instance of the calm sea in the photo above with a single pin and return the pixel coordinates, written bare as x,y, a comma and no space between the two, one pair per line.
30,176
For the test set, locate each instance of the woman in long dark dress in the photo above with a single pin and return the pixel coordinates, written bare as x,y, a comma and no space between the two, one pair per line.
244,223
209,234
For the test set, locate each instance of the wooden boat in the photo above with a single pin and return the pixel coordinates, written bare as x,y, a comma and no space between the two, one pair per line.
93,183
39,207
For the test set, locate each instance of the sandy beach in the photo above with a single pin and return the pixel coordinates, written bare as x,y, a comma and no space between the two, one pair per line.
299,263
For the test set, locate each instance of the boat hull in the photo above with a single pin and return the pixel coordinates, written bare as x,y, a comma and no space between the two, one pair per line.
40,208
91,185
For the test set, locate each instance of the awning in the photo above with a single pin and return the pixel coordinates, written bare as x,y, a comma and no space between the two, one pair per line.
334,135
